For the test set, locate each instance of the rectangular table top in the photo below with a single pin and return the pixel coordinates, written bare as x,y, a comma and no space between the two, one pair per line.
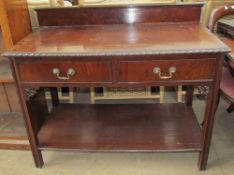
119,39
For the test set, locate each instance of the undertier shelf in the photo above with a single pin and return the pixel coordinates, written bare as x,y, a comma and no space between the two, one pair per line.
121,127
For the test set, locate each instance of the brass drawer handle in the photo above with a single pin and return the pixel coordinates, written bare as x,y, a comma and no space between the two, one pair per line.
172,70
70,72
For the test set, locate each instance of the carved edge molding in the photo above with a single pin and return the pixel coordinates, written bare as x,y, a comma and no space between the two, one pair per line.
114,53
30,92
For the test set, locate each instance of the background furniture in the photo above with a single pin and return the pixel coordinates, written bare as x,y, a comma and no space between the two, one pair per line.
226,88
64,94
226,28
118,93
9,101
181,92
14,24
210,5
14,13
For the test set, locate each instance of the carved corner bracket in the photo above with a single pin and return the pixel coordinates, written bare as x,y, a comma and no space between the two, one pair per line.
30,92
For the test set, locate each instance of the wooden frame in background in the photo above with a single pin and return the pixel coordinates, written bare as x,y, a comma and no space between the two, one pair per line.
15,24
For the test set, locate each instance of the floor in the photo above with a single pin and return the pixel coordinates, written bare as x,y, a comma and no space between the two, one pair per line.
221,159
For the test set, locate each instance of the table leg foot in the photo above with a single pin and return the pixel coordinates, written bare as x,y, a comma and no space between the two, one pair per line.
38,159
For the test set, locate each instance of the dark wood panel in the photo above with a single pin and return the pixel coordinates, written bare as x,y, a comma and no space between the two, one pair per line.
37,109
118,15
142,71
84,72
141,127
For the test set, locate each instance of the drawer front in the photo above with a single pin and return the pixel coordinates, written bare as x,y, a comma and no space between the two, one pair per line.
165,70
84,72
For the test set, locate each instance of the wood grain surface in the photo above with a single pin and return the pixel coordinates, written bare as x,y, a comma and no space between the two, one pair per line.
119,14
137,39
14,19
140,127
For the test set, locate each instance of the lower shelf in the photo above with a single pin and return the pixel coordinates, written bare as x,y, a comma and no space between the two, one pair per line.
111,127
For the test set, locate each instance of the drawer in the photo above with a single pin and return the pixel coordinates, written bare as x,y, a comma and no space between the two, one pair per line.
165,70
76,72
